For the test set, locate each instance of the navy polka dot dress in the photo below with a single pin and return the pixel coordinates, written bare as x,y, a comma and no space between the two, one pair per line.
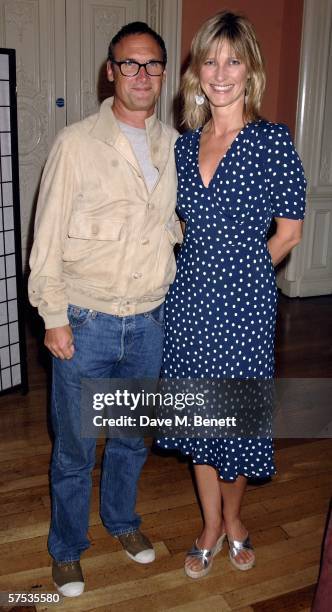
221,309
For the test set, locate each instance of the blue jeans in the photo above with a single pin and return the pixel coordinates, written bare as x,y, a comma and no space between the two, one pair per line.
106,346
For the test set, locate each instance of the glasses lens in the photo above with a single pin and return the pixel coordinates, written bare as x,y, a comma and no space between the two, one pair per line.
154,68
129,68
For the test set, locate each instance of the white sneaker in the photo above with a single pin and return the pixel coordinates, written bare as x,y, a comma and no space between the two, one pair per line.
137,546
68,578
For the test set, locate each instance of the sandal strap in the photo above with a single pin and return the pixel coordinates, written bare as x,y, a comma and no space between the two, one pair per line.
236,546
204,554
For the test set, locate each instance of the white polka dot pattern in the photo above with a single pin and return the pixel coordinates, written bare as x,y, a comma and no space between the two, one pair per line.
221,309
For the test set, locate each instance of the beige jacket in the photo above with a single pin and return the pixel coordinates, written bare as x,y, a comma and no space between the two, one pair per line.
102,241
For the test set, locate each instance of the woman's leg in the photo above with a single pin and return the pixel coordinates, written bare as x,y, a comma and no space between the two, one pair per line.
232,495
210,498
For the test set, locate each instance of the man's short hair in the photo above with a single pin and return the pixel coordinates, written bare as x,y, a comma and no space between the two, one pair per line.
136,27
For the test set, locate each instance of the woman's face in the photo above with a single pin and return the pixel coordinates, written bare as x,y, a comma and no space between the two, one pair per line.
223,76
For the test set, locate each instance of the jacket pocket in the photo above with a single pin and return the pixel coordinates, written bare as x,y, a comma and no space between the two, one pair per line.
87,235
174,230
165,268
91,228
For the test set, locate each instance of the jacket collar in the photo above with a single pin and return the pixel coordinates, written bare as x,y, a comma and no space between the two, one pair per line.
107,129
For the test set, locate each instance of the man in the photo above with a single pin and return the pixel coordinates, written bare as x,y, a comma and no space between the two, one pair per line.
101,264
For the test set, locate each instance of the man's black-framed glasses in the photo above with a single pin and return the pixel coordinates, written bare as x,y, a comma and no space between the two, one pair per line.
130,68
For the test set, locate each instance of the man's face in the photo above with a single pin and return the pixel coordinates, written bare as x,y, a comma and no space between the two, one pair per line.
140,92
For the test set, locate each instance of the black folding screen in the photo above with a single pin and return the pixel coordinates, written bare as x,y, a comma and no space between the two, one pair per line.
12,337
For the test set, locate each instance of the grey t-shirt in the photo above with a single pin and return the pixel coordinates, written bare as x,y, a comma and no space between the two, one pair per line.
138,140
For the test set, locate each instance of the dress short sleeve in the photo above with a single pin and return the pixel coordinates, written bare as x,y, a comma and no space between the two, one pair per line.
285,175
182,150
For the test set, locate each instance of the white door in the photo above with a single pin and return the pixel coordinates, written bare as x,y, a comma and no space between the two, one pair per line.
309,269
28,27
90,25
61,46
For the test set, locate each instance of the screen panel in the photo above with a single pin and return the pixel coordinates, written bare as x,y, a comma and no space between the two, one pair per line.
13,374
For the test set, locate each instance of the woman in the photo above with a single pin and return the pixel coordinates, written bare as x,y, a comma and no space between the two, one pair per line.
236,172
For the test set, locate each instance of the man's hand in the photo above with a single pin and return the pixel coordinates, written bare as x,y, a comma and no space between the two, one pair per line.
60,341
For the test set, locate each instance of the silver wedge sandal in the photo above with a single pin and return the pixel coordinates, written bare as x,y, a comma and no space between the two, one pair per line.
235,546
205,555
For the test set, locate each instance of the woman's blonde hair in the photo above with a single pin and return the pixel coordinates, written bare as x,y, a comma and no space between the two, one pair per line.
239,34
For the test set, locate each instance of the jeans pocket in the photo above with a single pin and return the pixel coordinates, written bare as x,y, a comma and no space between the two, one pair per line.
157,315
78,316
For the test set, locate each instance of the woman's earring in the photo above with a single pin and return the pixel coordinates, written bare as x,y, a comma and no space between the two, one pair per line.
199,99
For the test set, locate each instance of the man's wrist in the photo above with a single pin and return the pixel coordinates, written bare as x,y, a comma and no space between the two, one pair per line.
55,320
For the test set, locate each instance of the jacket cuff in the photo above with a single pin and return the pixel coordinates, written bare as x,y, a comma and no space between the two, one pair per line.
55,320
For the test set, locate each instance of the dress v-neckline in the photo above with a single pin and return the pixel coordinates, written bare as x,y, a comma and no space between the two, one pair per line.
221,160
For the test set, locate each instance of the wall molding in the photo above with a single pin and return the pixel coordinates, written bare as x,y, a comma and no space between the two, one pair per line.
165,16
302,276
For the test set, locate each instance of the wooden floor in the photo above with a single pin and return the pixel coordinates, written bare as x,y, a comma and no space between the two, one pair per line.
285,517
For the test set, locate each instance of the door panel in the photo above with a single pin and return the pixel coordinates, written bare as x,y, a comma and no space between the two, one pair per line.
61,46
28,27
309,269
93,23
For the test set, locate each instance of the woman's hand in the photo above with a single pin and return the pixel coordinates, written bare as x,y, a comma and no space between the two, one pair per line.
287,236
